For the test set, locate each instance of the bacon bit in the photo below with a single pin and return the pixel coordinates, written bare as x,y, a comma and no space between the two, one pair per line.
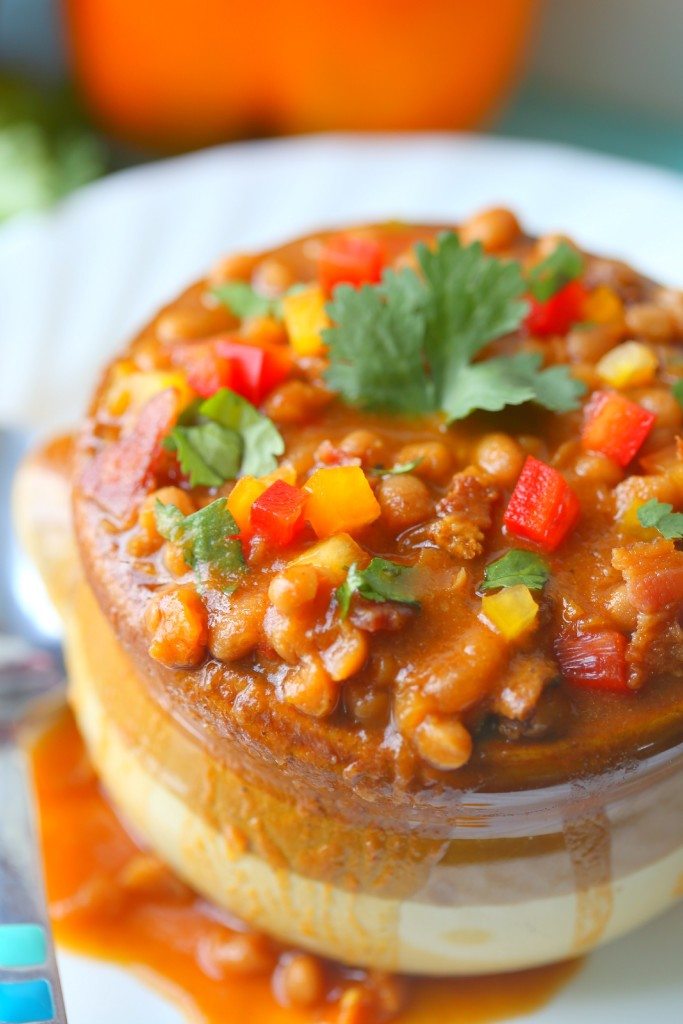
653,573
120,475
374,618
594,660
328,454
465,514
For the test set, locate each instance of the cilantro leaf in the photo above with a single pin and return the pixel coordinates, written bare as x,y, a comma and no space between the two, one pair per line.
677,389
222,438
381,581
516,566
470,299
376,347
661,516
208,539
496,383
262,441
208,453
563,265
243,301
409,344
398,470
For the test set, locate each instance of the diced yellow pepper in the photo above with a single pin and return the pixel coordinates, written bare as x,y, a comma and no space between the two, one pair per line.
629,524
629,365
603,306
305,317
340,499
333,557
242,497
249,488
511,611
131,389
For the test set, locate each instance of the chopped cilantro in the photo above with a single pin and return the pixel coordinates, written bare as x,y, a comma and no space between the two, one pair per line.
222,438
208,453
243,301
381,581
677,389
262,441
563,265
409,344
397,470
514,567
208,539
660,516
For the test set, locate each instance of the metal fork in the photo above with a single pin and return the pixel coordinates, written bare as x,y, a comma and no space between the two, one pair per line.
31,681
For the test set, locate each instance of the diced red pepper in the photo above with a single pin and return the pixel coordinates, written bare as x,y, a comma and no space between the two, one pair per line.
557,314
350,259
123,471
542,508
596,660
256,369
277,514
615,426
207,371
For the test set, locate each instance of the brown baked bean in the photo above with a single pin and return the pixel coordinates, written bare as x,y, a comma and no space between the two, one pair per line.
588,344
598,468
662,403
293,586
174,559
186,324
671,299
405,500
296,402
300,980
146,539
366,446
310,688
500,456
235,622
272,277
238,267
444,742
176,620
650,321
347,653
496,229
249,954
366,703
434,459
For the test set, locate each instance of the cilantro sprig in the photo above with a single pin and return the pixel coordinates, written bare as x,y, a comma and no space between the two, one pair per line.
677,389
660,516
243,301
564,264
381,581
410,344
209,542
514,567
222,438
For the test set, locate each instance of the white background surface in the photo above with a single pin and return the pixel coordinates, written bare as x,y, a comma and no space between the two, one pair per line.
74,283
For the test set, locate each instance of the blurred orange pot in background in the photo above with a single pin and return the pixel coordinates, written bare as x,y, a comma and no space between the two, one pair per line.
175,74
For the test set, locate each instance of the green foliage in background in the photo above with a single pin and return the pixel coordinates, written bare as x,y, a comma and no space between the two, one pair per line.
46,147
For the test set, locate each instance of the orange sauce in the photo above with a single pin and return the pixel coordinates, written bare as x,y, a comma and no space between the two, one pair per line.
110,900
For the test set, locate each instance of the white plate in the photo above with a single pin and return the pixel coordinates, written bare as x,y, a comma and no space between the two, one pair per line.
75,283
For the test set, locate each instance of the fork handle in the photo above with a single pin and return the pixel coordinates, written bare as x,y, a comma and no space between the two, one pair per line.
29,978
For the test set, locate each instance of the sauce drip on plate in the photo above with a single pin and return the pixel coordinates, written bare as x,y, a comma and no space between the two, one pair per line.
111,899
